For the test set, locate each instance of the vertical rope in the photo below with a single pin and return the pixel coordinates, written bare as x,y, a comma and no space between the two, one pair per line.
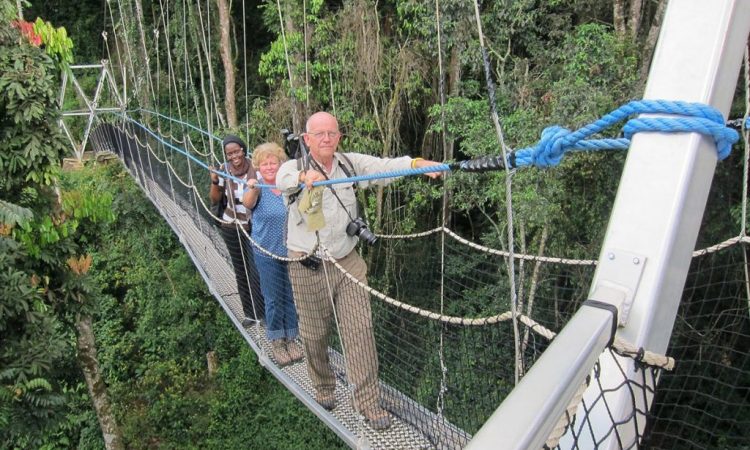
508,182
147,61
330,84
288,64
746,167
207,48
307,61
244,70
441,350
349,387
243,252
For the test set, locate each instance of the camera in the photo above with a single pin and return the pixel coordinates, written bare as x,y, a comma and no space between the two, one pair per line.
292,144
358,227
312,262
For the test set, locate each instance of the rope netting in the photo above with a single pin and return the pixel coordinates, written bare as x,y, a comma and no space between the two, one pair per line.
456,300
458,315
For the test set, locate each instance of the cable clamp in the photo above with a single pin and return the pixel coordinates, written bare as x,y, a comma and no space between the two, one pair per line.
608,307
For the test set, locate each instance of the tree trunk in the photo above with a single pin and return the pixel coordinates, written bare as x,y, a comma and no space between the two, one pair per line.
636,17
207,105
206,48
299,112
650,44
213,363
97,389
533,286
618,17
225,24
145,100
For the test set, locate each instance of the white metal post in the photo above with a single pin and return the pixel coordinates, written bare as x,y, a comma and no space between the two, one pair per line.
664,188
650,238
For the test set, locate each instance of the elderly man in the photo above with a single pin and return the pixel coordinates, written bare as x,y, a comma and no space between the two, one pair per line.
316,296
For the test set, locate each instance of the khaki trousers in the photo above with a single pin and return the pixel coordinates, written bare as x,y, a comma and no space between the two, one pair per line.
315,298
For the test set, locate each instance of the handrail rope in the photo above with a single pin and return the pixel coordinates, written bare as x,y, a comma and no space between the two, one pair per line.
207,154
168,165
555,260
712,125
628,350
181,122
409,236
171,168
567,416
193,158
273,255
696,118
550,259
621,346
482,248
722,245
453,320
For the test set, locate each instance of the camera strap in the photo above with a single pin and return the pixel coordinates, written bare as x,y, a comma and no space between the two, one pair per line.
333,191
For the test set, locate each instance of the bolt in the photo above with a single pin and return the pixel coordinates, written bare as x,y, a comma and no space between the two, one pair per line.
636,261
611,256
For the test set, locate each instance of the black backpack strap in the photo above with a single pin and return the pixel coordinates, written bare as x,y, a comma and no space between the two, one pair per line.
346,171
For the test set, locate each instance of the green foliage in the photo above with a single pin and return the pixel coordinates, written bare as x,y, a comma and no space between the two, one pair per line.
8,11
56,42
30,348
12,215
155,324
33,144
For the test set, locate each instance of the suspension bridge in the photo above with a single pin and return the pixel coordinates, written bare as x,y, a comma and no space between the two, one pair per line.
496,348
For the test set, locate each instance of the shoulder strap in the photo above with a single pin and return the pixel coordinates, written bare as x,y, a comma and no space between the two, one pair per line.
346,171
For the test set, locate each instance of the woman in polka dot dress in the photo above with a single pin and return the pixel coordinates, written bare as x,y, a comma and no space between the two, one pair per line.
269,225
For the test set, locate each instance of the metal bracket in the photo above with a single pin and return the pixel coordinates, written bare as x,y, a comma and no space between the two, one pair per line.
618,275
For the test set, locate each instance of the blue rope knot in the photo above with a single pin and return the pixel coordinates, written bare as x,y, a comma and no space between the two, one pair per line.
552,146
692,117
723,136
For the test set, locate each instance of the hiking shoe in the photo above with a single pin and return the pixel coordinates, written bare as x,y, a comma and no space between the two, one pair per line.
279,353
294,350
377,418
326,399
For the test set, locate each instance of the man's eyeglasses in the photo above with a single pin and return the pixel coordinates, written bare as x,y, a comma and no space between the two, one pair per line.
322,134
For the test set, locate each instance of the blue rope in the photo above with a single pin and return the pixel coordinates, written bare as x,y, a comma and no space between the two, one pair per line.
172,119
697,118
379,175
555,140
374,176
193,158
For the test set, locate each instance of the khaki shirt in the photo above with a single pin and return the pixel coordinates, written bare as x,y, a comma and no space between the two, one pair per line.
333,236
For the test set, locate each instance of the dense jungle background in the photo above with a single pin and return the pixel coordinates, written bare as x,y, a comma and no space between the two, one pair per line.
105,325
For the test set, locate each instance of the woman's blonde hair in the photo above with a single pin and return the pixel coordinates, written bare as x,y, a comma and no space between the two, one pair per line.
263,151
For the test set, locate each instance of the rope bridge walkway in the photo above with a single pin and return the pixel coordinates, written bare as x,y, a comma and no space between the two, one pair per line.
442,371
460,318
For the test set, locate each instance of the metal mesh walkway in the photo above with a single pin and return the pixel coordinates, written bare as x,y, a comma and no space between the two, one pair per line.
208,253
